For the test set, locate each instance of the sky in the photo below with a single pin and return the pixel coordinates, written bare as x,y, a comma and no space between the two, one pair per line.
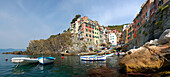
25,20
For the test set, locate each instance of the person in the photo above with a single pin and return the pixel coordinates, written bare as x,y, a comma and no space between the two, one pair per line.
118,54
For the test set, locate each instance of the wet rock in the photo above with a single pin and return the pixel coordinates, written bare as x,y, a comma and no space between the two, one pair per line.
145,60
165,37
161,74
103,72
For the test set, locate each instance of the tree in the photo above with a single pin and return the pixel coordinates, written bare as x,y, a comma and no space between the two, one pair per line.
78,16
64,31
68,29
75,18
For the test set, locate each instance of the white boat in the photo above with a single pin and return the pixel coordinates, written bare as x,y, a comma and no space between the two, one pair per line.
24,60
109,55
46,60
93,58
120,53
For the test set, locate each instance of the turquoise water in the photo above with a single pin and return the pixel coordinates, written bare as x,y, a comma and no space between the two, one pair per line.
70,66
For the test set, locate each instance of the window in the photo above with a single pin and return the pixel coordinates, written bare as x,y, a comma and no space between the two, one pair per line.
87,35
86,25
138,24
146,6
90,35
73,26
93,36
89,26
86,30
146,14
89,30
93,31
143,16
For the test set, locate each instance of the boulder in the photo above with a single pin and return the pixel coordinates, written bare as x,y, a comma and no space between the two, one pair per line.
165,37
145,60
134,50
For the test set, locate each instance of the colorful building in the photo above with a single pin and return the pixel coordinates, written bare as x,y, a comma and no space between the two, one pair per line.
96,35
112,38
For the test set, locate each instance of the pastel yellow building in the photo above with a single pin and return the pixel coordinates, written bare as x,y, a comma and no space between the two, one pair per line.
96,35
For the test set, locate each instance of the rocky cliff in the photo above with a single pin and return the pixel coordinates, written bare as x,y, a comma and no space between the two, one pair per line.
65,42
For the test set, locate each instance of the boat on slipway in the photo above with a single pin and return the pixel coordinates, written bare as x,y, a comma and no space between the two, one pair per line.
46,60
24,60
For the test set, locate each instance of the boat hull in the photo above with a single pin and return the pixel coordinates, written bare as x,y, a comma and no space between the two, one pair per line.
24,60
46,60
93,58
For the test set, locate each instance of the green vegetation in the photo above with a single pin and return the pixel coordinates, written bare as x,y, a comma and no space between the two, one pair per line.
52,36
96,50
75,18
158,23
78,43
159,9
117,27
109,43
144,25
139,32
64,31
145,33
161,27
163,8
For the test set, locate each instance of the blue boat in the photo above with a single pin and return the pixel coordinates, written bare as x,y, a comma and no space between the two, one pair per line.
46,60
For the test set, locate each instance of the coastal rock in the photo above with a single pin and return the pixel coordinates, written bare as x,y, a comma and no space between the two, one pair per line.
103,71
57,44
165,37
134,50
146,60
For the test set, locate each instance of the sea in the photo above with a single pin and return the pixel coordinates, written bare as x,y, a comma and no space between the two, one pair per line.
69,66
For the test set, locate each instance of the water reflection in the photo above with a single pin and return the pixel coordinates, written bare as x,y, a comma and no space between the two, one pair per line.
68,66
93,63
21,69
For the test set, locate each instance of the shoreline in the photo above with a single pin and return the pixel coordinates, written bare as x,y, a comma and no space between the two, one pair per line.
58,54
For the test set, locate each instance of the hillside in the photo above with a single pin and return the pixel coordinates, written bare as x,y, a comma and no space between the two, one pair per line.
56,44
117,27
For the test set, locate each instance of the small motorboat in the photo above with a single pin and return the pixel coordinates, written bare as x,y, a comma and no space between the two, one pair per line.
93,58
46,60
24,60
